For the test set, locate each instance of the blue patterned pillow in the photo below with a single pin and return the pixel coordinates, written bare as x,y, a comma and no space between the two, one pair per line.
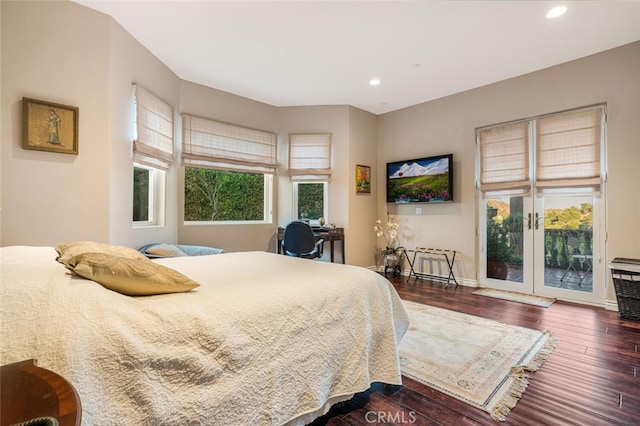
199,250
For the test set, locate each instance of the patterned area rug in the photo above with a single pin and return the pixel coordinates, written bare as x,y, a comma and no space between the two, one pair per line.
476,360
516,297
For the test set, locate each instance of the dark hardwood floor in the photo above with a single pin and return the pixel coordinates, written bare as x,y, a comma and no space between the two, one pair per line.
592,377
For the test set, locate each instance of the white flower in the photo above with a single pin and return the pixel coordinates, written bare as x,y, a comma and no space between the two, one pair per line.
391,234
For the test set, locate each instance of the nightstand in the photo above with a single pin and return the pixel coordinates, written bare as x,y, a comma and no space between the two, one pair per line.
29,392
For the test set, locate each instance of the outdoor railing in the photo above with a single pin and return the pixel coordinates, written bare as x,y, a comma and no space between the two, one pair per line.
558,251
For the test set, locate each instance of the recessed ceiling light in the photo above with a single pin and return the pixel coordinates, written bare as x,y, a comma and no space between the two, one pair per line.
556,11
374,82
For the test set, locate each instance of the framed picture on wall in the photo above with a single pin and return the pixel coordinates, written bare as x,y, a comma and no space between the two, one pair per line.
47,126
363,179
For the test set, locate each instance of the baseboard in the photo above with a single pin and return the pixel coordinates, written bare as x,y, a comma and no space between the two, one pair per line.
468,282
611,305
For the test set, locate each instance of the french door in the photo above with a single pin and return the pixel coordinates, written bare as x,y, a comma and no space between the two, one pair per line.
541,205
549,246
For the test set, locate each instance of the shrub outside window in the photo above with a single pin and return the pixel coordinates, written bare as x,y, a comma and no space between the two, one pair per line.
310,201
226,196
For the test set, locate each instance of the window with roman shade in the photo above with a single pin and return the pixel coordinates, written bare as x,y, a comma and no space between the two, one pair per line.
566,147
217,145
310,157
568,152
504,159
153,143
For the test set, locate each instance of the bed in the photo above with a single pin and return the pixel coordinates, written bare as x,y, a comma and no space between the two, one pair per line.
265,339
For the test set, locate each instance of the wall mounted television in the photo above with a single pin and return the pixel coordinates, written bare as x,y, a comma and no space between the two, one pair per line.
422,180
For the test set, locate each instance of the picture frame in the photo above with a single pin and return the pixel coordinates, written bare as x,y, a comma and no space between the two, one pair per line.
48,126
363,179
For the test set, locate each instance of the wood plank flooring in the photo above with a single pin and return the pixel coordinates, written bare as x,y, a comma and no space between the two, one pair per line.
592,378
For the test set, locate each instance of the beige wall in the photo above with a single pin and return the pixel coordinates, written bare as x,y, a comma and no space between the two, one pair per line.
1,126
362,207
66,53
55,52
448,126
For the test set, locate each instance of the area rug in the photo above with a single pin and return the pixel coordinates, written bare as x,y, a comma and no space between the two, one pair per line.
476,360
516,297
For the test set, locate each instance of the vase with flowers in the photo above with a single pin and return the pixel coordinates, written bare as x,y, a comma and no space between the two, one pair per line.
390,256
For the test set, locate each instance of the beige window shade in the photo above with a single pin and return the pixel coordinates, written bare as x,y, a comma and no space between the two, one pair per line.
568,151
153,144
310,157
217,145
504,159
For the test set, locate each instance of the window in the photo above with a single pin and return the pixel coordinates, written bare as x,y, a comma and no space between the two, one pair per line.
310,172
224,196
153,140
152,156
310,157
504,159
148,195
228,171
310,201
142,194
566,159
568,150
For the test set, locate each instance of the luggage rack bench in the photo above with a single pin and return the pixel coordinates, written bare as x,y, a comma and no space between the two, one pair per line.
449,256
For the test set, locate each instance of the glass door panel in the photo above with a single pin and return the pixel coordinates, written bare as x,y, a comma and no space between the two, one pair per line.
506,244
548,246
568,251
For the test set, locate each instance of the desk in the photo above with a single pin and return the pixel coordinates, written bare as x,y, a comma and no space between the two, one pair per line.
327,234
432,252
29,391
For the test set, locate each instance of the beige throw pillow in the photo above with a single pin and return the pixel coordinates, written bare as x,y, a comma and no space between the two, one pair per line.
67,251
166,250
130,277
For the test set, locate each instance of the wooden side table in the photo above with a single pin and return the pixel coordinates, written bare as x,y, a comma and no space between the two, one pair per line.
28,392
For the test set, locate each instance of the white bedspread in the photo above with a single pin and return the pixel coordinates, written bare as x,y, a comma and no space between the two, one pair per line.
264,340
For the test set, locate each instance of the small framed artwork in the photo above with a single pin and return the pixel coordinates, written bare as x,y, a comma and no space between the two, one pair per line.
49,127
363,179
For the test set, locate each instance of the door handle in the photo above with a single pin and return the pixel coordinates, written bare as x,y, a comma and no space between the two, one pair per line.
529,221
537,221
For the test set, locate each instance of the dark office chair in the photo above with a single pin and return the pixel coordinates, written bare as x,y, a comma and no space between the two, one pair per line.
299,241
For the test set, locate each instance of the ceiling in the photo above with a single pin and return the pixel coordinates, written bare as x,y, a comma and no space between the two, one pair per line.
294,53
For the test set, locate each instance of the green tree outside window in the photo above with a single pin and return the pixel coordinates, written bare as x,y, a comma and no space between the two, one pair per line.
220,195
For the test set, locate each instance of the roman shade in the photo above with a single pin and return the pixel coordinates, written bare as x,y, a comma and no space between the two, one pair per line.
310,157
217,145
153,143
568,152
504,159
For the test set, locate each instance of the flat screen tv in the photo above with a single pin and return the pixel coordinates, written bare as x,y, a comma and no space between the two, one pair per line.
423,180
